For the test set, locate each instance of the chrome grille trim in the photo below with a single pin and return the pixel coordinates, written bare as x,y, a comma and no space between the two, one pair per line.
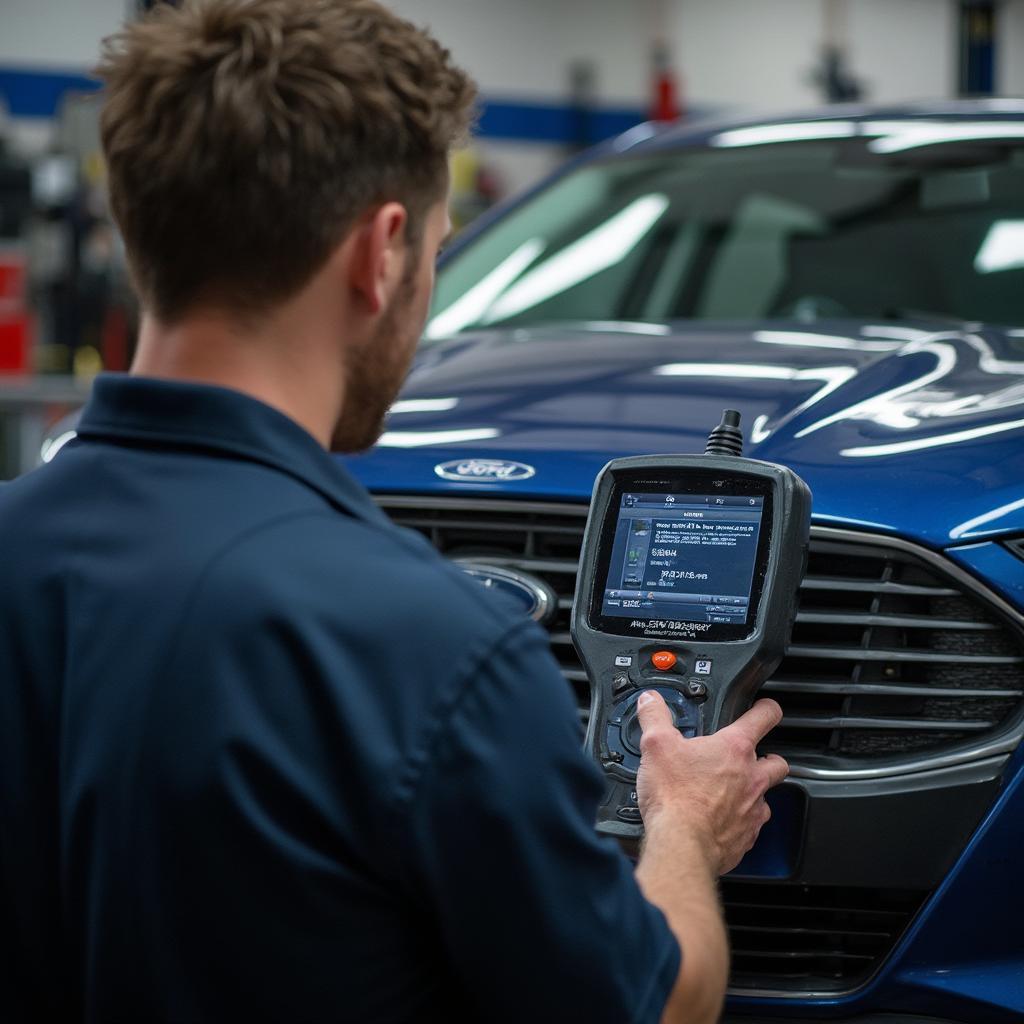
998,740
1002,741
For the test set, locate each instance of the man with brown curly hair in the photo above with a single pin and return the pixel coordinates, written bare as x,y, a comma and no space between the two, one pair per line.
267,757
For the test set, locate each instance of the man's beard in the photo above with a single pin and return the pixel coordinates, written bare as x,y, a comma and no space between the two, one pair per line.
375,375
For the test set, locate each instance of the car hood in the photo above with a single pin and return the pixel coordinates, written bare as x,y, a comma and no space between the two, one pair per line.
905,429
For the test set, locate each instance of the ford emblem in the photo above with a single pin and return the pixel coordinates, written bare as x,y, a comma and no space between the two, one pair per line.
534,596
484,470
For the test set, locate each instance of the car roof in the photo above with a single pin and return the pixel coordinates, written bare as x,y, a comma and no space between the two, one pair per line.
650,137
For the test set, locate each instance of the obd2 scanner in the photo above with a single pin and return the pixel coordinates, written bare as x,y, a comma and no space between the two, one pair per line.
688,586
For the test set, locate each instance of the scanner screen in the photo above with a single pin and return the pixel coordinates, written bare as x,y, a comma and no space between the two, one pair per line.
688,557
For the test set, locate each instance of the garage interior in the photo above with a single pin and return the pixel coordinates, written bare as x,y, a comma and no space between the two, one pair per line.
810,211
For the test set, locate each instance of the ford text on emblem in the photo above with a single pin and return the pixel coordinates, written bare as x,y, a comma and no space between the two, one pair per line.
534,596
484,470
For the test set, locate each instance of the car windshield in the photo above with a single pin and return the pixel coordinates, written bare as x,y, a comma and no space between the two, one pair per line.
882,226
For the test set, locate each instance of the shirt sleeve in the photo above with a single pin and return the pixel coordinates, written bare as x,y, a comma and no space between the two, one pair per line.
541,917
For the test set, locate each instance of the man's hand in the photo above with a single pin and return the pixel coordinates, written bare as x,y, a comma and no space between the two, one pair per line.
703,805
713,785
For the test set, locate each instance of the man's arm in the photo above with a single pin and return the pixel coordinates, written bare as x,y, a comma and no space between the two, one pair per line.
538,917
703,806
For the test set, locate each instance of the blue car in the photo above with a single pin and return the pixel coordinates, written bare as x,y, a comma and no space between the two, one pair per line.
852,282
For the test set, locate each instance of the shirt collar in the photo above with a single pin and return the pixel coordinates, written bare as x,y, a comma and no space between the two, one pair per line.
202,416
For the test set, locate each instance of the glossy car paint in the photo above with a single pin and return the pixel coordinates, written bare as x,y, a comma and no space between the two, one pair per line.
902,429
913,430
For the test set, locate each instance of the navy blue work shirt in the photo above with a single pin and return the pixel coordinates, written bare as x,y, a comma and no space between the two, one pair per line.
266,757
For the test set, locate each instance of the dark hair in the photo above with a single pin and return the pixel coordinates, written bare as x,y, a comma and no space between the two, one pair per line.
244,137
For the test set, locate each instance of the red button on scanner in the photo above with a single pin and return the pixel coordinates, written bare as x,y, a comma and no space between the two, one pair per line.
663,660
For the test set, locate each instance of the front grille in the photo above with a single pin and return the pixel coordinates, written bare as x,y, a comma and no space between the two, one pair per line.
805,938
890,657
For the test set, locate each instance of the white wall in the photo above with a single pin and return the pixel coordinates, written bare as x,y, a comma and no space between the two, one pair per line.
523,48
751,55
762,55
904,49
56,33
1010,47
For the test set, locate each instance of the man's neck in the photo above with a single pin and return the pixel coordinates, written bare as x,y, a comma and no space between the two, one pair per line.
278,370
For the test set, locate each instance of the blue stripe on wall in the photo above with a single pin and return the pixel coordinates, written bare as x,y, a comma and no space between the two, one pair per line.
543,122
39,94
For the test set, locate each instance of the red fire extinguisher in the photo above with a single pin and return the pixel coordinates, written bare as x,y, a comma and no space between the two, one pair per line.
667,102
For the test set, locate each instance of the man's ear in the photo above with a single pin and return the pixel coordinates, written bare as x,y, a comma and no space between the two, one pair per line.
378,255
